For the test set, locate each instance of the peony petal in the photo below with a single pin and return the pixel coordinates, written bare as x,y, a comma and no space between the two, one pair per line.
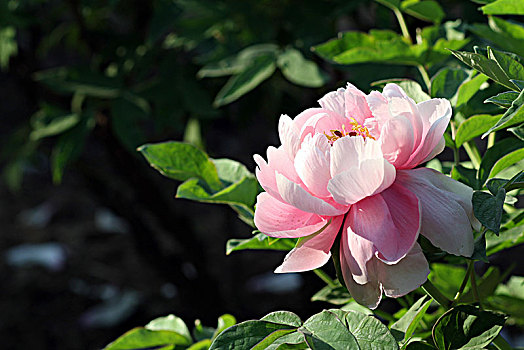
405,276
370,177
312,164
391,220
277,219
356,105
289,136
334,101
279,160
266,177
368,294
357,252
295,195
303,117
313,251
322,123
447,214
348,152
397,140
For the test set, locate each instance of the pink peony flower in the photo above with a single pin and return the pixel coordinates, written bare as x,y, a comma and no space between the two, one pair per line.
349,167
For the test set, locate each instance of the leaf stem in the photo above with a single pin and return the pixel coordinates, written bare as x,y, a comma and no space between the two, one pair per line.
325,277
473,153
464,283
433,292
425,76
402,22
473,280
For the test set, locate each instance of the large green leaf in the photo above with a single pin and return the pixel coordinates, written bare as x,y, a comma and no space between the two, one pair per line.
409,322
426,10
446,82
446,278
224,322
514,115
299,70
250,335
181,161
283,317
466,327
504,7
486,66
238,85
260,241
506,239
513,68
509,298
473,127
468,89
504,99
488,208
504,34
326,331
370,332
141,338
495,154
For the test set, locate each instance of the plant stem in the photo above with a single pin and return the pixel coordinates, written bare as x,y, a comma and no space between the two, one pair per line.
464,283
433,292
473,153
402,22
325,277
474,289
425,77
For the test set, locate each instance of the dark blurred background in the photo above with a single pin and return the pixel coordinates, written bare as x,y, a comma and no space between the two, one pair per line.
92,240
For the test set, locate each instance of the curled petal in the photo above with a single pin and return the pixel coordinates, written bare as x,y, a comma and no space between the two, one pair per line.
277,219
312,164
447,214
355,104
289,136
391,220
397,138
334,101
313,251
295,195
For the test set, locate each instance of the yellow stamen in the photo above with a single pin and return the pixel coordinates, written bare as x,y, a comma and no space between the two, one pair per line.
356,129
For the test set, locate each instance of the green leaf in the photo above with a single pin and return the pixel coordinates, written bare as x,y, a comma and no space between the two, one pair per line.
250,335
283,317
56,125
512,68
409,322
242,193
238,63
446,278
414,90
224,322
486,286
392,4
504,7
504,99
260,241
518,131
181,161
69,146
141,338
370,332
466,327
514,115
336,295
468,89
425,10
326,331
503,34
515,182
201,332
8,46
473,127
506,239
485,66
299,70
507,161
170,323
465,175
291,341
509,298
488,208
419,345
496,154
201,345
261,69
446,82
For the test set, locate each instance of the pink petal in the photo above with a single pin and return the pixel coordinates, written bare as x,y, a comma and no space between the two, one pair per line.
391,220
266,177
405,276
295,195
334,101
447,214
368,294
303,117
277,219
397,140
348,152
289,136
370,177
313,251
312,164
323,123
357,252
356,105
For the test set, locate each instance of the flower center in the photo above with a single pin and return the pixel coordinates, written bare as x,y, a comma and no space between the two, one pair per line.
356,130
